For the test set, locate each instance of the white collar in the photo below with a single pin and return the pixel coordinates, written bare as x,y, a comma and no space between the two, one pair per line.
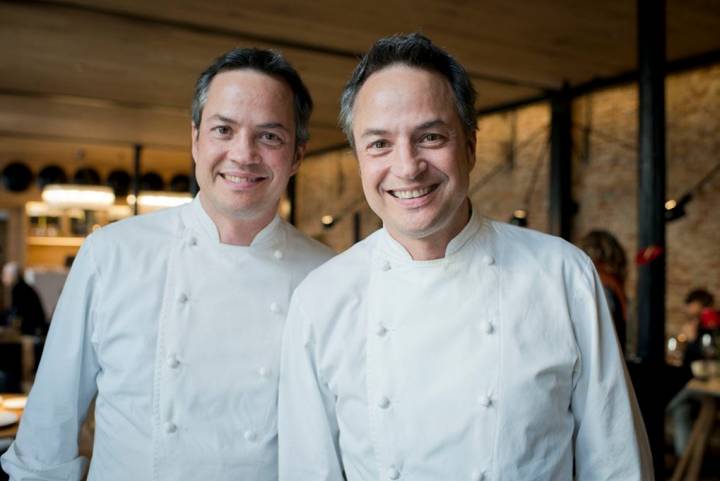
396,250
200,219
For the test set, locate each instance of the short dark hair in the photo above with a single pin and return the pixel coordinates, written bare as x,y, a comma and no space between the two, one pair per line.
268,62
413,50
700,295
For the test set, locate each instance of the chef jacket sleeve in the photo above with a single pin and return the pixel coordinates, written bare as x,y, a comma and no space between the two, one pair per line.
307,425
46,447
610,438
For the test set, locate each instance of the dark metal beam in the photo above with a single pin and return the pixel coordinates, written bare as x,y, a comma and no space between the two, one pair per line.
291,193
651,24
194,187
136,176
561,203
685,64
357,226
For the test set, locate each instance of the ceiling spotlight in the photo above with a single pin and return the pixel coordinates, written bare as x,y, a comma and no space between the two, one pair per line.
327,221
675,209
519,218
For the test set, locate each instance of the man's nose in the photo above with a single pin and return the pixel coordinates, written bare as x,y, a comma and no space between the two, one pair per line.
243,149
409,163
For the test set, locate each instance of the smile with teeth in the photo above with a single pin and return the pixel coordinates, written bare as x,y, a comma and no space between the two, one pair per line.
236,179
412,193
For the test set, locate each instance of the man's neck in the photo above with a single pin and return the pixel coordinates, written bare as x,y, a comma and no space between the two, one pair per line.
236,231
435,245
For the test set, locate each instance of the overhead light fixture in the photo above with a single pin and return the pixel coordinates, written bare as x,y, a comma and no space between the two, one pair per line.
117,212
327,221
675,209
86,197
41,209
519,218
152,200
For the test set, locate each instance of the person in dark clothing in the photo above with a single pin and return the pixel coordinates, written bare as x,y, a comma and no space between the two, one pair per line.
24,302
700,323
611,263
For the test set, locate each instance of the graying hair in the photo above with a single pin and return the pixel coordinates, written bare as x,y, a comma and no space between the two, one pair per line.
264,61
413,50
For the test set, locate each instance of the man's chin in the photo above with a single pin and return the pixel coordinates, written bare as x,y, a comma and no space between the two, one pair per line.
414,232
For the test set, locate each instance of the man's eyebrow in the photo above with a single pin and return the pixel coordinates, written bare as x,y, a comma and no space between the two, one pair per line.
373,132
222,118
425,125
431,123
273,125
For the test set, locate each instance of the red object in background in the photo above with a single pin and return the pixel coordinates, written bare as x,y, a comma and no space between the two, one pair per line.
648,254
709,319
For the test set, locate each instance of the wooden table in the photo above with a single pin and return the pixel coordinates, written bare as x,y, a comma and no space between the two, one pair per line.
11,431
708,391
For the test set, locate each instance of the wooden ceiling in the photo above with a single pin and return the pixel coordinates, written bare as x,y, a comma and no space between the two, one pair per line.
89,73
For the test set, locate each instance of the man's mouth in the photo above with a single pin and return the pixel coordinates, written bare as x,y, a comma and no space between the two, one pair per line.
412,193
239,179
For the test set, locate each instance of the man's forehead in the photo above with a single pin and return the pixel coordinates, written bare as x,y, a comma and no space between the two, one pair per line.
252,82
248,92
389,94
402,82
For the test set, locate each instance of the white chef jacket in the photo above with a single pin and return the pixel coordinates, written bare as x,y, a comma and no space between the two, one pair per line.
497,362
179,336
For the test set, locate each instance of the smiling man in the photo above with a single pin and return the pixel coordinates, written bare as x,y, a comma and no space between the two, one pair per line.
173,320
447,346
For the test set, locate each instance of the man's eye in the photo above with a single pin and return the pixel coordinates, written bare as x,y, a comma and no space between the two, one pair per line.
221,129
271,138
378,144
431,138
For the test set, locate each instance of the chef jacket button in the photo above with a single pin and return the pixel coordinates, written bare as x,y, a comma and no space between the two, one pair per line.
274,307
170,427
172,361
278,254
384,402
386,266
488,327
182,298
489,260
381,330
192,241
393,473
264,372
250,436
477,475
485,400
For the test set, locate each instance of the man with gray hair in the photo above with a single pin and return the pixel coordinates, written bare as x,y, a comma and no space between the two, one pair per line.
173,320
447,346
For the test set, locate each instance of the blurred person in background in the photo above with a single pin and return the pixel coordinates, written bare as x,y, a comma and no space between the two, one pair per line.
696,340
611,263
25,307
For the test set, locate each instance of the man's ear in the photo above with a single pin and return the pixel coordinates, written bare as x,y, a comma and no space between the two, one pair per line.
471,145
194,138
297,158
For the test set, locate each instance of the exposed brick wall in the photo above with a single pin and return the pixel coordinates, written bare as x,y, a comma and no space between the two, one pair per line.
604,177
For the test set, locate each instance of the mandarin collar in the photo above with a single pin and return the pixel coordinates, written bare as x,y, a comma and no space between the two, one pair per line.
200,220
396,250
